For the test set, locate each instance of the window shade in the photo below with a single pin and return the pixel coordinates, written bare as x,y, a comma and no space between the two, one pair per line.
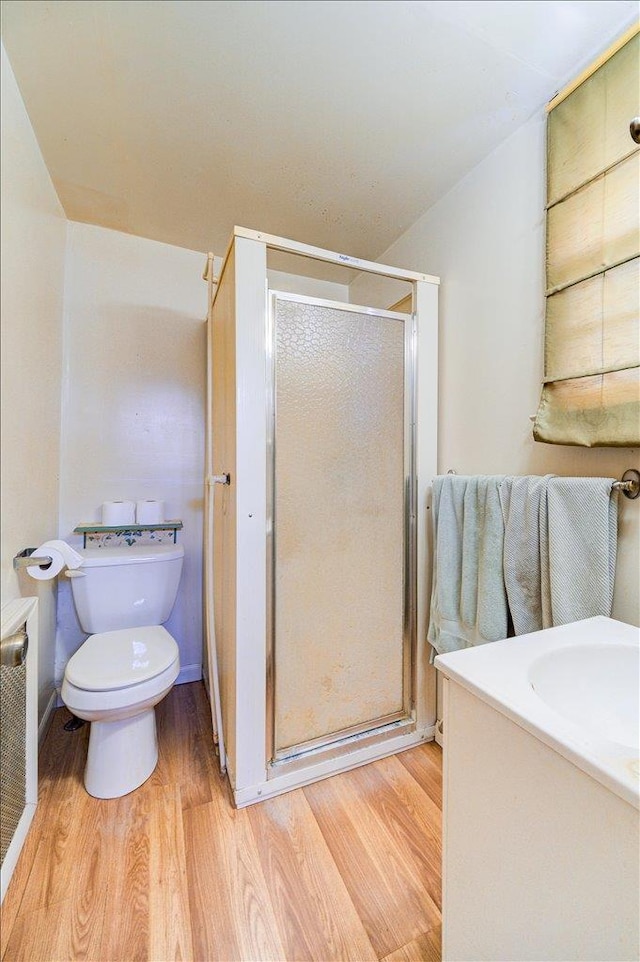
591,387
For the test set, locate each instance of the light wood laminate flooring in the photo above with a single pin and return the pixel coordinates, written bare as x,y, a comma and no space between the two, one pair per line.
345,869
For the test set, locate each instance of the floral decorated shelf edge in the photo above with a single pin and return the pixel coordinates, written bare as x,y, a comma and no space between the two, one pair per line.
96,536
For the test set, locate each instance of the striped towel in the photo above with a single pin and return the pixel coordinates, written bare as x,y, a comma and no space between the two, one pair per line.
559,549
582,536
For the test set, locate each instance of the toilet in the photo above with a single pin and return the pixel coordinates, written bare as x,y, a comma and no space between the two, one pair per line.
129,662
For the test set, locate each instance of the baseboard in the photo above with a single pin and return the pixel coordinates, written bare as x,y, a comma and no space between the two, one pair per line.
189,673
47,716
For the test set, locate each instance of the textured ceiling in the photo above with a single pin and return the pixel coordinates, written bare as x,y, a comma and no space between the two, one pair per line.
333,123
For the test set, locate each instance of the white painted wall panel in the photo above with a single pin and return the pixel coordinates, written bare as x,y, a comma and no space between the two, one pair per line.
133,402
32,260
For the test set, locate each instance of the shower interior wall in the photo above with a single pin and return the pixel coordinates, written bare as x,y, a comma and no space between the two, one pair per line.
237,425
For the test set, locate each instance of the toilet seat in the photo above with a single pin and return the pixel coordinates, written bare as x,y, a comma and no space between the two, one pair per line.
118,702
113,660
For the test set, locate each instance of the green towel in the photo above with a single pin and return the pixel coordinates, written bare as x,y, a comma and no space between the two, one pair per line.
524,506
468,600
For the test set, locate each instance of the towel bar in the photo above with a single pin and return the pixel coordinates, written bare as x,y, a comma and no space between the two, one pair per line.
629,485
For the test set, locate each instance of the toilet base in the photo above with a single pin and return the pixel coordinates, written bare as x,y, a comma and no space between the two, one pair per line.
122,755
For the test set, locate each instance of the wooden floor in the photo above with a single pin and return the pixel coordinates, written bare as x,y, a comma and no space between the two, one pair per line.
346,869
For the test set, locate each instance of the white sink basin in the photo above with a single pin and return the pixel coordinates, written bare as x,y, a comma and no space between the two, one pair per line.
594,686
575,687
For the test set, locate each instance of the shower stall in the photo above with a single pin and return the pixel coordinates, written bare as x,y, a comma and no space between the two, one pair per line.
321,443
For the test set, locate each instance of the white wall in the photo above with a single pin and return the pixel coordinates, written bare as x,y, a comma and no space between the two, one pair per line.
309,286
485,239
133,403
32,259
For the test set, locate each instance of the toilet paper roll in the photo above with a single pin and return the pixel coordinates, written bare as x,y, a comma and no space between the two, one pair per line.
118,512
62,556
149,512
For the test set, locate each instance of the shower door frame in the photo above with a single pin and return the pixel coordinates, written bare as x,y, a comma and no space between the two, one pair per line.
240,307
290,757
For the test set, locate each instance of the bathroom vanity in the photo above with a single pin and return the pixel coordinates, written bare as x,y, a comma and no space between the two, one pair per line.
541,822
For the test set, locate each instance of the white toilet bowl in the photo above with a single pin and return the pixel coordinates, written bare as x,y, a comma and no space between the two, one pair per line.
114,680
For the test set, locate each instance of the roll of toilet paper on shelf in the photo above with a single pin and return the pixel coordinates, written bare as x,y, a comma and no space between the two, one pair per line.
118,512
149,512
62,556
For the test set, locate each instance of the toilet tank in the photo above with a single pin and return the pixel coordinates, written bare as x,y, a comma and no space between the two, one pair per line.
126,587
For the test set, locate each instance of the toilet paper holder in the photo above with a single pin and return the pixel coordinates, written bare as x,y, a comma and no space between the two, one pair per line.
26,558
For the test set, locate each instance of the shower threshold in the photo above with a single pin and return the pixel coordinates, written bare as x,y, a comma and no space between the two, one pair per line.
301,756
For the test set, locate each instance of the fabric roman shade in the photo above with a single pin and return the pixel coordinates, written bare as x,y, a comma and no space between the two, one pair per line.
591,388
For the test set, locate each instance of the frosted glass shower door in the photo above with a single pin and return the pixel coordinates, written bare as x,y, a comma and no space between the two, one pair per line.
340,547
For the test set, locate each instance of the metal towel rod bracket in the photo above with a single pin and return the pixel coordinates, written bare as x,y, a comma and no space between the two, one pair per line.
630,484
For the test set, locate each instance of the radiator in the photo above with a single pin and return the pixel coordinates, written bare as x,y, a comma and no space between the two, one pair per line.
18,729
13,749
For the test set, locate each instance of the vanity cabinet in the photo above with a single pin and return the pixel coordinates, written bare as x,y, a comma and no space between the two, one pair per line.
540,860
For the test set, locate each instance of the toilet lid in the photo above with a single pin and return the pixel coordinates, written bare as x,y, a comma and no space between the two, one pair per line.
117,659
